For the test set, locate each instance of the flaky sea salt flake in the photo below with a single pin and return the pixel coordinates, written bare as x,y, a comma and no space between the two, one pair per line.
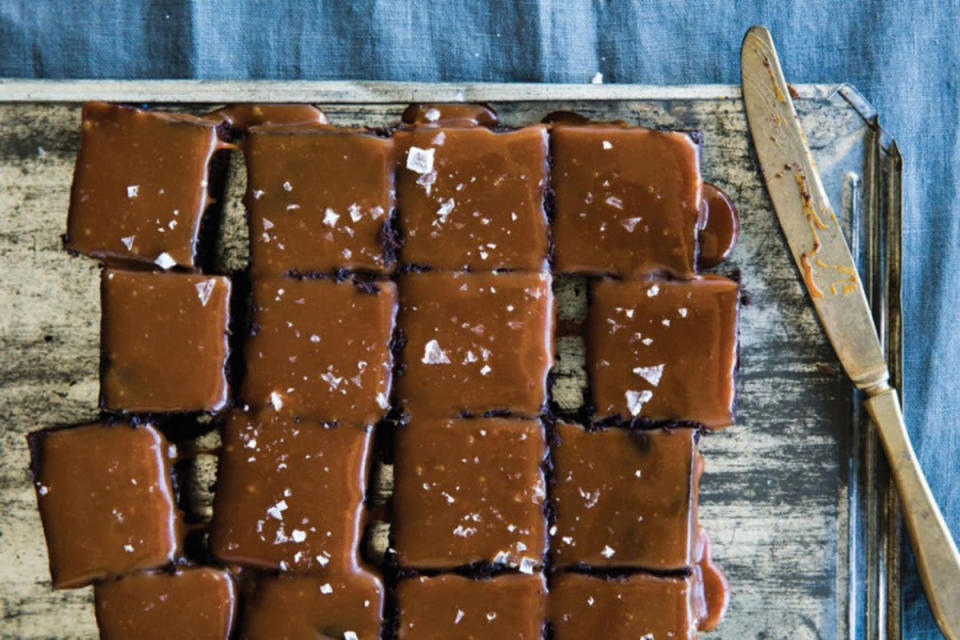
651,374
420,160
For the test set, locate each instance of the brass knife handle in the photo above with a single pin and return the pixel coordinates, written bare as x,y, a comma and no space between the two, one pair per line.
937,558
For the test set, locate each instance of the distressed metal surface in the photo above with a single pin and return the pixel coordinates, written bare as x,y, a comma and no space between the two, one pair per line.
790,494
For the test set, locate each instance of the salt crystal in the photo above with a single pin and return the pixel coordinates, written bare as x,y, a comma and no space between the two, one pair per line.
432,114
652,291
636,400
128,548
298,536
276,400
491,615
459,617
330,217
204,290
376,212
133,190
597,78
128,242
382,401
420,160
682,311
630,223
607,551
433,354
354,211
326,588
606,145
164,260
446,208
651,374
350,635
614,201
485,370
527,565
287,186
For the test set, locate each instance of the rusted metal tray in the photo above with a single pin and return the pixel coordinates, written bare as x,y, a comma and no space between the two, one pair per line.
796,496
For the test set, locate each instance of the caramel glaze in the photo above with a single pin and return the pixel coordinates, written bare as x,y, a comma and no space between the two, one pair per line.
624,498
622,608
290,494
164,341
106,501
196,602
664,349
315,607
469,491
489,336
242,117
451,114
713,591
721,227
452,606
319,199
472,198
626,199
140,185
334,365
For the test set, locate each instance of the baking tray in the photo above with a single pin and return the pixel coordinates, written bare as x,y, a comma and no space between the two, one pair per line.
797,496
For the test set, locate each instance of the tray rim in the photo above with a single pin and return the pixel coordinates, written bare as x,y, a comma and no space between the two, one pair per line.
876,236
338,91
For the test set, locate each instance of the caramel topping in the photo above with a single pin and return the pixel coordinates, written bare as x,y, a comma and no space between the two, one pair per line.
331,365
289,493
319,200
140,185
473,199
245,116
454,114
713,592
164,341
624,498
721,227
664,350
200,603
489,336
640,606
627,200
469,491
451,606
106,501
315,607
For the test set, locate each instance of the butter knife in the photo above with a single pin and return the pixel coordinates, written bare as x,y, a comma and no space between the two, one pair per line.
827,268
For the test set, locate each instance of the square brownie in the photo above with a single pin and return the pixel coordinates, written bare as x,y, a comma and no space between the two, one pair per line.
106,501
489,336
164,341
472,198
469,491
452,606
320,349
627,200
319,199
140,185
289,493
631,608
197,602
348,606
664,350
624,498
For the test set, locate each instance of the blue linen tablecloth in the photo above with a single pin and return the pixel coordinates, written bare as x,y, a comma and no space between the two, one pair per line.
904,56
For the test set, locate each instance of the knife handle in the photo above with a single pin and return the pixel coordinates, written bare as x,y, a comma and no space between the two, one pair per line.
937,558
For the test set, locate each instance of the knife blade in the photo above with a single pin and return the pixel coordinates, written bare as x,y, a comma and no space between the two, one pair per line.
826,266
808,221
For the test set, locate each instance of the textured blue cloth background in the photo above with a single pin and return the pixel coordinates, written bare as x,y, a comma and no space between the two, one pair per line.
904,56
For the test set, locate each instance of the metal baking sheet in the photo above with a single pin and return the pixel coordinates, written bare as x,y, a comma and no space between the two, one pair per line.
796,496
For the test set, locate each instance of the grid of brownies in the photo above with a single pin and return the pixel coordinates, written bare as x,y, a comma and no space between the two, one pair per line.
396,332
